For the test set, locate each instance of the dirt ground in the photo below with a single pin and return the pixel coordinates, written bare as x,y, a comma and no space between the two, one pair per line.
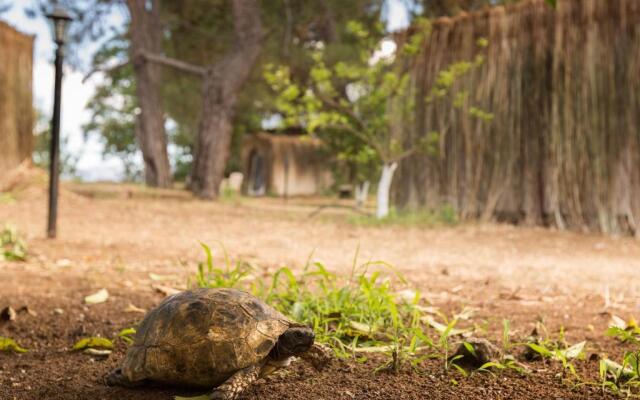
114,236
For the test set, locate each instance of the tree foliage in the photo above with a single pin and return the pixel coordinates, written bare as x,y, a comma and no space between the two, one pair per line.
198,32
352,105
114,107
438,8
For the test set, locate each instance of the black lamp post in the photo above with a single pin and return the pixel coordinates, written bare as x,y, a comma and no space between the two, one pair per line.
60,19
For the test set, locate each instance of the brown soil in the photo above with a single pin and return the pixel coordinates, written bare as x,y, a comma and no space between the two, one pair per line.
113,236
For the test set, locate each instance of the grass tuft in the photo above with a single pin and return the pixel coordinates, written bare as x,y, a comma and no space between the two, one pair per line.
445,215
363,313
12,246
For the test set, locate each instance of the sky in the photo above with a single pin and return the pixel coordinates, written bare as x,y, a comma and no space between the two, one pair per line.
92,165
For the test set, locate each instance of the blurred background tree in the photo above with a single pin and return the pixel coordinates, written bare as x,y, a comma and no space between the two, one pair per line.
199,32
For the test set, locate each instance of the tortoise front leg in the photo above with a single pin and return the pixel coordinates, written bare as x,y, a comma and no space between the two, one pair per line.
116,378
232,387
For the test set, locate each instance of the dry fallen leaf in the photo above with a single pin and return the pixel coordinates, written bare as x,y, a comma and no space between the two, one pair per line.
466,313
158,277
408,295
98,297
96,352
360,327
63,262
133,309
26,309
166,290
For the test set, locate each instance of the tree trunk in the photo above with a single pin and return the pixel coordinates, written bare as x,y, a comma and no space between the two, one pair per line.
362,193
146,36
214,140
384,186
221,86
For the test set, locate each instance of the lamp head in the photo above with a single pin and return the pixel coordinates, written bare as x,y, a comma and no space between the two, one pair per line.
60,19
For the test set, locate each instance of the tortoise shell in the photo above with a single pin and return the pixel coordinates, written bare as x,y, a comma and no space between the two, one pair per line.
202,337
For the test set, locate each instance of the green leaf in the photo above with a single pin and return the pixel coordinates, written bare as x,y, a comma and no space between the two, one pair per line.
573,351
543,351
92,343
552,3
469,348
492,364
506,328
126,334
8,344
617,369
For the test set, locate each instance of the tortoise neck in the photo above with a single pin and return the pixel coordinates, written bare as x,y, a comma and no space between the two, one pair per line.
277,353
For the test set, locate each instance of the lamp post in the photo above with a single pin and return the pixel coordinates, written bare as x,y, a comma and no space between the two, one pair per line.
60,19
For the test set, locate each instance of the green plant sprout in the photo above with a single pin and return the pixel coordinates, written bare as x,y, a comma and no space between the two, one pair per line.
357,316
12,246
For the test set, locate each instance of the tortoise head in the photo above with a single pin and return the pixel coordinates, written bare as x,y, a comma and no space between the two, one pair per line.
294,341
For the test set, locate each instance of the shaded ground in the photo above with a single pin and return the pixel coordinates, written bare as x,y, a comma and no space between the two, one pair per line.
113,236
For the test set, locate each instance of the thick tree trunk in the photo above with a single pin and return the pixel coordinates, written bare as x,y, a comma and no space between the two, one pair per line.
384,186
221,86
214,140
146,36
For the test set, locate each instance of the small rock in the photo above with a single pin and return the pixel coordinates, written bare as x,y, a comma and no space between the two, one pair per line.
58,311
483,352
8,314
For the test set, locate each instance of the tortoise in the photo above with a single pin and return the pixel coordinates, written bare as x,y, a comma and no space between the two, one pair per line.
214,338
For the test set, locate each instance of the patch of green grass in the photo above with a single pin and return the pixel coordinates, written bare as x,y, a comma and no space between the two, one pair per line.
625,331
7,198
556,349
12,246
374,310
228,195
445,215
362,313
621,379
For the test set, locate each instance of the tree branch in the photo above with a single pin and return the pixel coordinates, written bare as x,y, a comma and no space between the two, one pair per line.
173,63
104,70
235,67
359,135
336,106
403,155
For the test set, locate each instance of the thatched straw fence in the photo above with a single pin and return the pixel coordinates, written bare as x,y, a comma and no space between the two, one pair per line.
16,98
564,88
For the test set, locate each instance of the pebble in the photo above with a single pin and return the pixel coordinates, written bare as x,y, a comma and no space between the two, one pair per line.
63,262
